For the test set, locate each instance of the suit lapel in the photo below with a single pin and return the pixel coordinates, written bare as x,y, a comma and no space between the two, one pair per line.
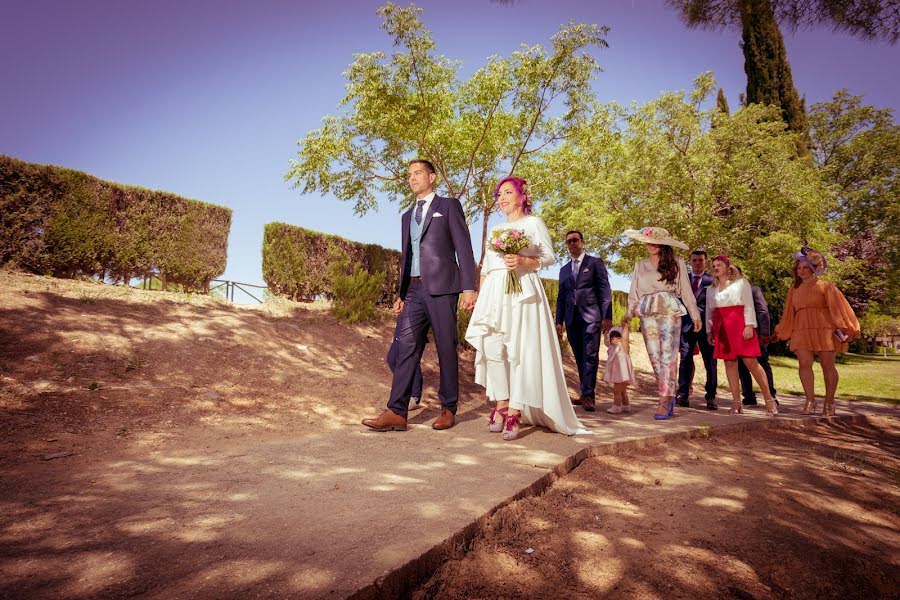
430,214
404,228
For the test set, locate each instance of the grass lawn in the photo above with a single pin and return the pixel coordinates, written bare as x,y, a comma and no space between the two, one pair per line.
862,377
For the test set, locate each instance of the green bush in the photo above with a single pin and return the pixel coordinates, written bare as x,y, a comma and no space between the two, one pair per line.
62,222
298,263
355,294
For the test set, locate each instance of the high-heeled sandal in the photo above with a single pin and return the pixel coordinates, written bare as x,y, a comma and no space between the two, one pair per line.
736,409
828,409
494,425
511,421
670,410
809,408
771,412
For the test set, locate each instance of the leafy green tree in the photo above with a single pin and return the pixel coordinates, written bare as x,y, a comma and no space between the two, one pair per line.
736,187
722,102
769,78
873,19
413,104
857,149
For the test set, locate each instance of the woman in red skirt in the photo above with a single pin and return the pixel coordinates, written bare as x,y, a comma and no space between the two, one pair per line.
731,323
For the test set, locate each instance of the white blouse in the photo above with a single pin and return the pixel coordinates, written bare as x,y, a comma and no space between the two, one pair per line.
736,293
645,280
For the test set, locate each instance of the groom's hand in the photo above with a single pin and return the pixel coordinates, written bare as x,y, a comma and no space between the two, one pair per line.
468,300
398,306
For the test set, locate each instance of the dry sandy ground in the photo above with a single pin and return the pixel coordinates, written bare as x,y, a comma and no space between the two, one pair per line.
99,379
800,513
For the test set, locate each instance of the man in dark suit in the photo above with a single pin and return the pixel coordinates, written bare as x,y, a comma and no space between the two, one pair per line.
436,264
690,339
584,305
764,331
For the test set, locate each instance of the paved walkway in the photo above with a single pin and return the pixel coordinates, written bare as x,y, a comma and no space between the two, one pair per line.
369,503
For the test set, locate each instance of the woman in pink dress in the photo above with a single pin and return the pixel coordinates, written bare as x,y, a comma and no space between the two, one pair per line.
731,323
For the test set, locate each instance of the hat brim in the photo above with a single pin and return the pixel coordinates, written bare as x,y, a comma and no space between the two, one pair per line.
639,237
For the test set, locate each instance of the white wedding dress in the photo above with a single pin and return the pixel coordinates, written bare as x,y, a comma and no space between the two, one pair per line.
537,385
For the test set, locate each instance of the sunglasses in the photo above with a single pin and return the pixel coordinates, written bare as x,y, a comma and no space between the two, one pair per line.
573,240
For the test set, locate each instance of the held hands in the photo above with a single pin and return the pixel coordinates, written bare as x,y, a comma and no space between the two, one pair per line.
468,300
748,332
605,326
559,331
398,306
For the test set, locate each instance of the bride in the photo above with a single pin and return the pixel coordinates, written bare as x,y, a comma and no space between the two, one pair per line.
518,360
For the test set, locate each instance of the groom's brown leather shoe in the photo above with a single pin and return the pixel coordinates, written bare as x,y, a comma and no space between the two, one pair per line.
386,421
445,421
587,403
576,401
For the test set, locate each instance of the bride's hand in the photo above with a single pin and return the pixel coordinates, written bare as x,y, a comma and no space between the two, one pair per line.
515,260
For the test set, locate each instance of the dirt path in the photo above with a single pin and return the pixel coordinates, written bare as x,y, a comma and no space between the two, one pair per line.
168,446
810,513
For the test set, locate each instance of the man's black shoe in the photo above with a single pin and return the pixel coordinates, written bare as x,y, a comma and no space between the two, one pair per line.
746,402
711,405
684,402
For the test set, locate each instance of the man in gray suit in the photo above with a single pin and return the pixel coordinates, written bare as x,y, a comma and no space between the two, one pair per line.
764,331
437,264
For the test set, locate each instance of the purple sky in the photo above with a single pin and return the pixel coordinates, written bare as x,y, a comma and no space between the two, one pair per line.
207,99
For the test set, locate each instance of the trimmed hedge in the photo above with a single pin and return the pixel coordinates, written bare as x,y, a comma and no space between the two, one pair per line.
297,262
57,221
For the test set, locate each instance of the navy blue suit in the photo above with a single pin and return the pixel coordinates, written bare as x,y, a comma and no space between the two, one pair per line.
582,304
763,328
446,267
690,340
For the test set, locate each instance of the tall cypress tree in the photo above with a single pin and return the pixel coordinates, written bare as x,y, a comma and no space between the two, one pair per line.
722,103
769,79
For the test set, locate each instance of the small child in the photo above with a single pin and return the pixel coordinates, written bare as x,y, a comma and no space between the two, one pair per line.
619,371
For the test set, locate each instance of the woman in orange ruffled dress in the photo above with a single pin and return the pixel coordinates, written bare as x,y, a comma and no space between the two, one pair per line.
817,319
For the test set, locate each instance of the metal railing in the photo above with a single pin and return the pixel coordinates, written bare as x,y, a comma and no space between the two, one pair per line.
230,286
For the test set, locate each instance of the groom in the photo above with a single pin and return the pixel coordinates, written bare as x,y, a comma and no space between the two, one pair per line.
436,263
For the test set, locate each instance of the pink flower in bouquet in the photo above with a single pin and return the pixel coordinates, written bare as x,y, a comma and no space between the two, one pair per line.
510,241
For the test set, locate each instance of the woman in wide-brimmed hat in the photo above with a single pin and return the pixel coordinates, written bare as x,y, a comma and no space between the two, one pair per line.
817,319
661,295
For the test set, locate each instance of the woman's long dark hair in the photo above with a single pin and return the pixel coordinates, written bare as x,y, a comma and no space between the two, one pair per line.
668,267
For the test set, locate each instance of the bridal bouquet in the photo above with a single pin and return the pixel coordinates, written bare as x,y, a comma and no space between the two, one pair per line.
510,241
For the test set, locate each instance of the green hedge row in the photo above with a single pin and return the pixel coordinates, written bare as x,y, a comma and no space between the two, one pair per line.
61,222
299,263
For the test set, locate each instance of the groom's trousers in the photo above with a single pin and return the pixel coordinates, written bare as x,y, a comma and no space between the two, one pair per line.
421,312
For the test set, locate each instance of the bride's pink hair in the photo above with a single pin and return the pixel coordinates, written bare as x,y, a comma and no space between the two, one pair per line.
521,188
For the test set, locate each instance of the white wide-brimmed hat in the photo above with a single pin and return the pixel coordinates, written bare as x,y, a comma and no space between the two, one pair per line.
654,235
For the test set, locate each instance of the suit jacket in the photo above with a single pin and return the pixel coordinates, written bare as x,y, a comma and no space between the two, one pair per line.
446,260
705,281
590,293
763,320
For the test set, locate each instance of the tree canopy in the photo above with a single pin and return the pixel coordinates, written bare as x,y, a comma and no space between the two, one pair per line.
867,19
724,182
413,104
